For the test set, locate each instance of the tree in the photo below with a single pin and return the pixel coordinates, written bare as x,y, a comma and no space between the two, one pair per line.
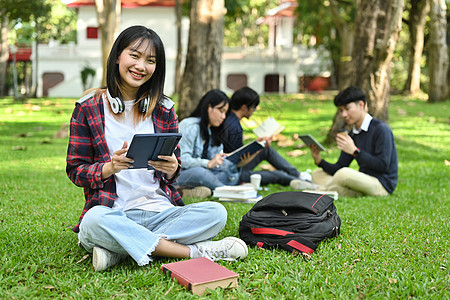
241,22
342,19
418,12
438,55
59,25
10,12
377,27
108,17
203,57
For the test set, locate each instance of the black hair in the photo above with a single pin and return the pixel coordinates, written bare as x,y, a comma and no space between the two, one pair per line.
211,99
244,96
135,36
348,95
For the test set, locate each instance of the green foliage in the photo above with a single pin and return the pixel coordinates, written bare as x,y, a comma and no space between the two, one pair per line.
24,9
390,247
86,73
241,27
47,20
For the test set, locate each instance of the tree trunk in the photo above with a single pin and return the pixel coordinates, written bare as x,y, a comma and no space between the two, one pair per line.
377,27
438,55
346,34
418,13
108,16
4,51
179,58
204,53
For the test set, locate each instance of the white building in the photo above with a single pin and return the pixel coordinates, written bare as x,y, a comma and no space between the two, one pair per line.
277,68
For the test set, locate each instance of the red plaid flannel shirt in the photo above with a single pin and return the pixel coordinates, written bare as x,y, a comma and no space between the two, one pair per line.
88,152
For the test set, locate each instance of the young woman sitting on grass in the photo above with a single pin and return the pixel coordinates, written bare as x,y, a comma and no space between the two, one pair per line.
205,166
136,212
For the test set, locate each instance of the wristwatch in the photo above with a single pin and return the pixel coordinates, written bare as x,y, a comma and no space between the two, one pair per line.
356,153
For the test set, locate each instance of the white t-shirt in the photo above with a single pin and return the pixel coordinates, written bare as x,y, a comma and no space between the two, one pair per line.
136,188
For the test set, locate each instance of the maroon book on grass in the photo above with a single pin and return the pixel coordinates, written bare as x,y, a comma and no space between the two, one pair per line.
198,274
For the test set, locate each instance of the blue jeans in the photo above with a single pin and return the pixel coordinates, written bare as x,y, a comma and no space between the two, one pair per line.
137,232
283,175
226,174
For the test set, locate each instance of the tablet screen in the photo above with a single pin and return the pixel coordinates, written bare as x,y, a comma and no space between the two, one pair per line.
145,147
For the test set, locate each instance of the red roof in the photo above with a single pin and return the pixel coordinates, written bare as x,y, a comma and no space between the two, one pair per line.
125,3
285,9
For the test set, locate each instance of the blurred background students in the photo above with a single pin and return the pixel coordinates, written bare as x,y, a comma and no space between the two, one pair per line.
204,166
242,105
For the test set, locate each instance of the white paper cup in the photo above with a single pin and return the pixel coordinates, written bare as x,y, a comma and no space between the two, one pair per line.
255,179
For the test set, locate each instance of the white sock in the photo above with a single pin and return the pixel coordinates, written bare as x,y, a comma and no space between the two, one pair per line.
194,253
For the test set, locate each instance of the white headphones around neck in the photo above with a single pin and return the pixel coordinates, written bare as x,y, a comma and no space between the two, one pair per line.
118,106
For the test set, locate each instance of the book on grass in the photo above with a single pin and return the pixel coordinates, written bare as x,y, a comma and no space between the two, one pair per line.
198,274
270,127
308,140
241,200
249,148
244,191
145,147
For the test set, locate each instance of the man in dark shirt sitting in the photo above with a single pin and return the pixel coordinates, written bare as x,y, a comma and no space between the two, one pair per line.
242,105
370,142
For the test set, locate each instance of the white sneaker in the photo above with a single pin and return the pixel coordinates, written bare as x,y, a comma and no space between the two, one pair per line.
297,184
102,259
230,248
198,191
305,176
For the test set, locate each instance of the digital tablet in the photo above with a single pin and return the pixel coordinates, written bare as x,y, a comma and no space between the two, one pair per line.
145,147
308,140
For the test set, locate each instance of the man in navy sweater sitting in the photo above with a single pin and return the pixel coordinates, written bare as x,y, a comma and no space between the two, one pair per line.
370,142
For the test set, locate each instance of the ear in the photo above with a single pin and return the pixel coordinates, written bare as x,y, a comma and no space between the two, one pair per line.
361,104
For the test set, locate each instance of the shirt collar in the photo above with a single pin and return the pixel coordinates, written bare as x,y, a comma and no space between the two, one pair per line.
365,124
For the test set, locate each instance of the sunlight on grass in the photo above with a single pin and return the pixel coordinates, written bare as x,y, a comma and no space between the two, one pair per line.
389,247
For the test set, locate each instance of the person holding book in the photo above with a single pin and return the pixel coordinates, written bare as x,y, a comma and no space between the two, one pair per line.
136,212
242,105
204,161
370,142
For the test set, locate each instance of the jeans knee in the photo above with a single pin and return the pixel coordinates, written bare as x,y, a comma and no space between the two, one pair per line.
215,212
97,216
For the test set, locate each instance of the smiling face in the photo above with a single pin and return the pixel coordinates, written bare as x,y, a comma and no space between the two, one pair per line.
217,114
136,63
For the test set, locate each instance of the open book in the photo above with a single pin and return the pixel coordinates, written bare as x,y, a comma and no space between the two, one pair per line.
249,148
270,127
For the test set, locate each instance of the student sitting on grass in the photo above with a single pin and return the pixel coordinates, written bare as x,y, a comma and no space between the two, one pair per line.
136,212
242,105
204,165
371,143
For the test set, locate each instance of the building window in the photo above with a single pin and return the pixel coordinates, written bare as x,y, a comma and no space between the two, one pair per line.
50,80
274,83
236,81
92,32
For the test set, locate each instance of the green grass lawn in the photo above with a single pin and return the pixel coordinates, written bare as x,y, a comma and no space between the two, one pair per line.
390,247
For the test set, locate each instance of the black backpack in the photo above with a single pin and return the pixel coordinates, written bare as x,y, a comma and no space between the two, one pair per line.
294,221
